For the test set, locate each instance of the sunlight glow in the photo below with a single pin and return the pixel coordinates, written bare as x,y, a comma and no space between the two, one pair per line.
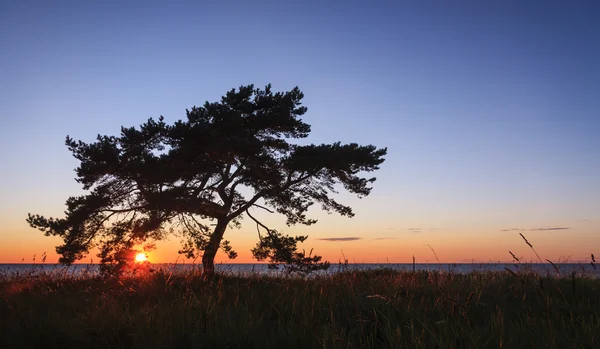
141,257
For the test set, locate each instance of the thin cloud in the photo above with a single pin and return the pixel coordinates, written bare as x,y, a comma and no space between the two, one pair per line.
341,239
537,229
549,228
414,229
384,239
583,220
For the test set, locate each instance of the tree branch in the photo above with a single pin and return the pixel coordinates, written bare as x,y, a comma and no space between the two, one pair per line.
261,193
247,205
264,208
258,223
93,235
202,185
123,210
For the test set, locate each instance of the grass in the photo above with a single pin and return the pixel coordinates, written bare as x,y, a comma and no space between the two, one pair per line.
369,309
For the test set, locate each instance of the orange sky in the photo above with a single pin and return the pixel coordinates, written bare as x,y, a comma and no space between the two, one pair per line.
385,230
361,240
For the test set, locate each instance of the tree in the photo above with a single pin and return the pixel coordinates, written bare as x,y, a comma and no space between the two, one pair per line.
188,178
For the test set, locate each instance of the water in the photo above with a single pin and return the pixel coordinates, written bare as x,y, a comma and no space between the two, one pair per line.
245,269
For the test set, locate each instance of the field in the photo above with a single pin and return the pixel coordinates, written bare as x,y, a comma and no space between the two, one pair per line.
372,309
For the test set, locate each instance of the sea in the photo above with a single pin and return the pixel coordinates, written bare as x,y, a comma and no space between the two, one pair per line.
560,269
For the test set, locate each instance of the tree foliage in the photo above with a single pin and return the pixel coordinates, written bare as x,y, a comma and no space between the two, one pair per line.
189,178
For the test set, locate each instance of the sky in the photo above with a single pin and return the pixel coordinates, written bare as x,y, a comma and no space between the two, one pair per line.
489,111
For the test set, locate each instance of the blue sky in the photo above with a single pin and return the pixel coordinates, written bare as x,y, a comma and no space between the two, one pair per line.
489,109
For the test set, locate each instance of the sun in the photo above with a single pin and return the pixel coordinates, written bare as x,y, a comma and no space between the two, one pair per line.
141,257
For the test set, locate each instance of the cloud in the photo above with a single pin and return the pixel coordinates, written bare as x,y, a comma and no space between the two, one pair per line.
549,228
414,230
583,220
537,229
341,239
384,239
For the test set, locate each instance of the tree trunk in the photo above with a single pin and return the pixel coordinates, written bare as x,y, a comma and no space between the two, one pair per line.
208,258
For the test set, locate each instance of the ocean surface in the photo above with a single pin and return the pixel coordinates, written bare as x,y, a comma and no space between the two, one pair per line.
565,269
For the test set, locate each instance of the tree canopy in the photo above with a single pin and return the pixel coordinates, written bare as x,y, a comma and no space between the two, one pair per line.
186,178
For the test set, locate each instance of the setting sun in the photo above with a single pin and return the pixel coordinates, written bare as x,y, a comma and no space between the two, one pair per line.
141,257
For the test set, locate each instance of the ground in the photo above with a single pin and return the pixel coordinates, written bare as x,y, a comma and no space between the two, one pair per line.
372,309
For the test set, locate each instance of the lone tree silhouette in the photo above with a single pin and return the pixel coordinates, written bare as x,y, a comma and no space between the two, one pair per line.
197,177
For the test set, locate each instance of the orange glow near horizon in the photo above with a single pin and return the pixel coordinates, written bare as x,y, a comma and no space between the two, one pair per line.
450,245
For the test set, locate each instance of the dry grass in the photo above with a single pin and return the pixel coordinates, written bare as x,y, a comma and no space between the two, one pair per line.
373,309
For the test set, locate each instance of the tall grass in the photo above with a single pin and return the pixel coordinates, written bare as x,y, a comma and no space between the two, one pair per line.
382,308
369,309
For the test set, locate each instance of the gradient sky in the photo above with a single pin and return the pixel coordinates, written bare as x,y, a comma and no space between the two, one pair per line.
489,109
